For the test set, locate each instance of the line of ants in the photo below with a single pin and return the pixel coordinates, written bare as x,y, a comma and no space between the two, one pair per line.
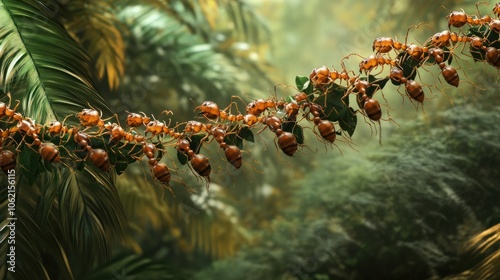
217,127
271,113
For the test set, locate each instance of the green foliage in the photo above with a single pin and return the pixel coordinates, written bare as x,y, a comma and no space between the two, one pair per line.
60,81
244,133
53,60
129,267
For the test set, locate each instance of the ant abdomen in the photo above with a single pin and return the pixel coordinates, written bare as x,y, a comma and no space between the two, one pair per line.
288,143
327,130
414,90
7,160
372,109
201,165
233,155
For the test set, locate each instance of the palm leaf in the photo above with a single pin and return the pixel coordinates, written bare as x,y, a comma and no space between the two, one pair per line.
91,214
66,223
94,25
38,246
41,64
129,267
203,17
484,247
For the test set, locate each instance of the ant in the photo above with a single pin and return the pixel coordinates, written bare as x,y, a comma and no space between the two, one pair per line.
412,87
136,120
459,19
232,152
286,140
199,162
98,157
58,128
157,127
5,109
92,117
373,61
386,44
493,56
326,128
7,160
210,110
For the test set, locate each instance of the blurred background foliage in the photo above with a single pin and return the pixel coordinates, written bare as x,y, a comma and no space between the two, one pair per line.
400,210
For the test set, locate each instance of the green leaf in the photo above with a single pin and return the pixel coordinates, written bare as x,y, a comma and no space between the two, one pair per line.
183,159
409,65
348,121
234,139
90,213
304,84
31,162
375,84
131,267
246,134
195,142
41,64
333,102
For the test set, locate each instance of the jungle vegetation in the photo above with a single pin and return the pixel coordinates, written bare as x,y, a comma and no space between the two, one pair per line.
423,204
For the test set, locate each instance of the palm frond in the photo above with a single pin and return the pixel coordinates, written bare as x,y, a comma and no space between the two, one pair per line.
39,249
141,200
213,227
129,267
485,247
41,64
95,26
182,61
91,214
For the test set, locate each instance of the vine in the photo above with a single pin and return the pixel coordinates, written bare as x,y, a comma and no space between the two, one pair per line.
322,99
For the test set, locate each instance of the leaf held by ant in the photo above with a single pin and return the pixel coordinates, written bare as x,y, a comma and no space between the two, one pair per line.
483,31
195,142
375,84
333,102
127,153
160,150
304,84
235,139
348,121
183,159
409,65
246,134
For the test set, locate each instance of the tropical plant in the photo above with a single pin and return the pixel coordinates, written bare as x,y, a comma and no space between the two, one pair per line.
101,40
55,58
